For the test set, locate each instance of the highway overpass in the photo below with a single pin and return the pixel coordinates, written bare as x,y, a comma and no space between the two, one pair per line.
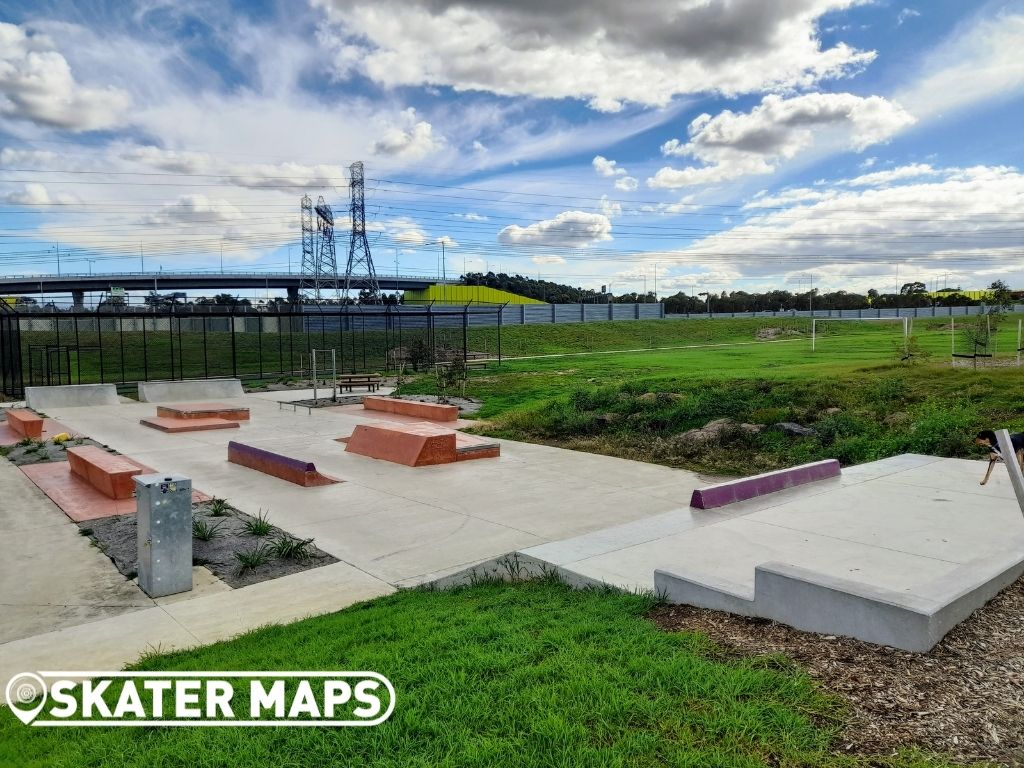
211,283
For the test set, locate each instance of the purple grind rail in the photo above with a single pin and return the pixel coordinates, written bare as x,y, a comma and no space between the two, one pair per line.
277,458
296,471
758,485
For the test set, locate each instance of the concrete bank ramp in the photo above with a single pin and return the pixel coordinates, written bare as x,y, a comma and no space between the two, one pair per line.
193,389
70,396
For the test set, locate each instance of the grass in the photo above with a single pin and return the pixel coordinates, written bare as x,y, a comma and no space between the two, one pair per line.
218,507
533,674
854,389
257,526
288,548
204,531
251,559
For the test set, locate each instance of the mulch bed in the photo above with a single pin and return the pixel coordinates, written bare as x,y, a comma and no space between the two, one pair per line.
964,698
117,538
46,451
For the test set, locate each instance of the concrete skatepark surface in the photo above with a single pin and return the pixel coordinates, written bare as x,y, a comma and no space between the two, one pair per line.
390,525
898,524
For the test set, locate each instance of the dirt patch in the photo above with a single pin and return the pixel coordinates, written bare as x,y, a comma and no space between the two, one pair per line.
766,334
984,362
117,538
964,698
43,452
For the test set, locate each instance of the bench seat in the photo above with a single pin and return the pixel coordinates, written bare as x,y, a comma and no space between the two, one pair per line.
108,473
25,423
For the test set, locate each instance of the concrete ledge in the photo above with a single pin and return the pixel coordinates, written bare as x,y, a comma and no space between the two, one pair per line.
203,411
744,488
431,411
173,426
109,474
414,445
193,389
25,423
71,396
302,473
816,602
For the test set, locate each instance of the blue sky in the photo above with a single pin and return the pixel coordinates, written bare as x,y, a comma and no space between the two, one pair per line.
705,144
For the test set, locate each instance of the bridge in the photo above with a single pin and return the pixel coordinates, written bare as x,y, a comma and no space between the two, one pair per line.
214,282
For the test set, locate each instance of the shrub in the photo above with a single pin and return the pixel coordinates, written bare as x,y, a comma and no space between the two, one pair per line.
257,526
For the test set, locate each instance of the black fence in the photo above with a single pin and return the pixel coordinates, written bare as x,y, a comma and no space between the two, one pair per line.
46,348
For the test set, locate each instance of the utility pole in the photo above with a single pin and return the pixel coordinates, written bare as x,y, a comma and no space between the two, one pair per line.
222,257
142,259
58,259
655,281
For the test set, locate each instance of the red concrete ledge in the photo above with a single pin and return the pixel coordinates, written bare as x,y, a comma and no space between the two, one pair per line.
173,426
758,485
430,411
109,474
302,473
25,423
414,445
203,411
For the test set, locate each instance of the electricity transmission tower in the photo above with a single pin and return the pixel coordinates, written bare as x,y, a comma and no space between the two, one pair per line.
360,275
319,274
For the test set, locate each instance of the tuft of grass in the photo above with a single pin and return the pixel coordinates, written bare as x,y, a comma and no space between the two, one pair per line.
289,548
218,507
257,526
252,559
203,531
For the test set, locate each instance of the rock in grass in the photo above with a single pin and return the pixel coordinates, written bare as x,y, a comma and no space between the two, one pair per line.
792,429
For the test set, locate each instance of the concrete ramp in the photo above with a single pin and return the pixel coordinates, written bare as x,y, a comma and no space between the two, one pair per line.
70,396
192,389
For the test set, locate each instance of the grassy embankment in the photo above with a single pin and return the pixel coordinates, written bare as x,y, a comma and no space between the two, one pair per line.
532,674
855,390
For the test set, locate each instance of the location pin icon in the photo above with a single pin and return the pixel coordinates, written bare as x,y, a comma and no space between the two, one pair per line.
21,691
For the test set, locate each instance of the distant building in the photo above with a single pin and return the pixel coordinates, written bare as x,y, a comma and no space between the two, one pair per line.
465,294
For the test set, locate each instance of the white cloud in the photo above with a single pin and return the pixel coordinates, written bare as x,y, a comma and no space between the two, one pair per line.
572,229
30,194
37,85
193,210
882,178
414,141
606,167
547,260
733,144
610,208
979,63
470,216
447,242
905,15
248,175
410,237
627,184
602,51
964,221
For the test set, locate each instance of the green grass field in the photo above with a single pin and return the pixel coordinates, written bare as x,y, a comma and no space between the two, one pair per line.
533,674
857,389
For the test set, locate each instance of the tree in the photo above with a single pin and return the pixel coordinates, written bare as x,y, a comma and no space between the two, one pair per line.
1000,295
910,289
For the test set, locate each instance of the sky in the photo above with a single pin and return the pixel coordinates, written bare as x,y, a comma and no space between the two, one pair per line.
676,145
